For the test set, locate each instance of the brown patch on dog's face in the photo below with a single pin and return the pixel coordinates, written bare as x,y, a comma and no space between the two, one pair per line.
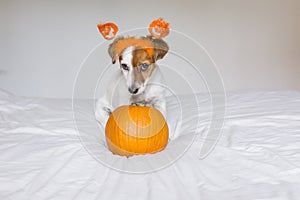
137,64
140,56
140,76
143,65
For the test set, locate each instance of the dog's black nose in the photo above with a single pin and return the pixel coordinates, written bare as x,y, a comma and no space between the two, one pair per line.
133,90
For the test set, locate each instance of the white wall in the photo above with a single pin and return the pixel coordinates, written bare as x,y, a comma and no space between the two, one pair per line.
255,43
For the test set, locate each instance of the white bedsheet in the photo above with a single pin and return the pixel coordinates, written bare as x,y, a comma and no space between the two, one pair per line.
257,157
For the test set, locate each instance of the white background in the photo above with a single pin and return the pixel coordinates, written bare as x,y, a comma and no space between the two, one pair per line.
255,43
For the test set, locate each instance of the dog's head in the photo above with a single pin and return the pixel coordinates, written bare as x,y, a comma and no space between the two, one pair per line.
137,58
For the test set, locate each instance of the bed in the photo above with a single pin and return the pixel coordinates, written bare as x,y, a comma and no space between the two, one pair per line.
43,155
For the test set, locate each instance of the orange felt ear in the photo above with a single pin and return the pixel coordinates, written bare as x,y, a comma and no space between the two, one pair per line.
108,30
160,27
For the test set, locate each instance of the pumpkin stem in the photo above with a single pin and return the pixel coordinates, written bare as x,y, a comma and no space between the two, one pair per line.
138,104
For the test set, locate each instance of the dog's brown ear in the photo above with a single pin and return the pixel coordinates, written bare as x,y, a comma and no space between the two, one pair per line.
112,52
112,49
161,48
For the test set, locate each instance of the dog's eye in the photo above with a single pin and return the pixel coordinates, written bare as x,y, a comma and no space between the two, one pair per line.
125,67
144,67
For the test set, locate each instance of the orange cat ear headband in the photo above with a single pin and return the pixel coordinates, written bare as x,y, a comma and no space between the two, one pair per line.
108,30
157,28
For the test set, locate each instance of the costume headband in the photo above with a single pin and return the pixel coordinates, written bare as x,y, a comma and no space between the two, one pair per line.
157,28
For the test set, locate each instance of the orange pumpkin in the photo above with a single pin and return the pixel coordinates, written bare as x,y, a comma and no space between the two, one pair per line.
132,130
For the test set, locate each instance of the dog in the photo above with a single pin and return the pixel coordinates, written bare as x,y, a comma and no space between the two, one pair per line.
139,80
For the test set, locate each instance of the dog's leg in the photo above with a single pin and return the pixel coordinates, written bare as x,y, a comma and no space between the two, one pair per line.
103,110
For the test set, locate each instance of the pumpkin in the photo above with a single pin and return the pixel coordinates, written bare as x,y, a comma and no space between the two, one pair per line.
132,130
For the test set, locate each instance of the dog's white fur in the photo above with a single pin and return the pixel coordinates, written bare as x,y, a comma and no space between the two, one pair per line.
151,92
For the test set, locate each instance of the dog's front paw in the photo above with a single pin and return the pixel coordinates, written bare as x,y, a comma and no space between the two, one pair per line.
107,110
102,115
103,111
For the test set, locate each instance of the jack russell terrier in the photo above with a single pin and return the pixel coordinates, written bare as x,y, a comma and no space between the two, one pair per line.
139,80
